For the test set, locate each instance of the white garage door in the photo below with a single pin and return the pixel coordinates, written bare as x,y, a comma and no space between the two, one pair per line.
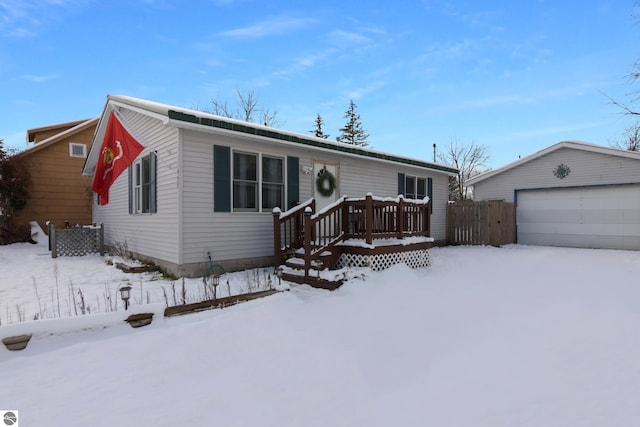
589,217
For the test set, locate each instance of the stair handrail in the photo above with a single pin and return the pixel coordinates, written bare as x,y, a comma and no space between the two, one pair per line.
367,218
323,230
288,229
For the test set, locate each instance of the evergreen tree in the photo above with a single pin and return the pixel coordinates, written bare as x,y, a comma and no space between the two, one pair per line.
317,131
352,132
14,181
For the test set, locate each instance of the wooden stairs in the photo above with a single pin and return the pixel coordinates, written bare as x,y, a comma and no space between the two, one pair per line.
308,245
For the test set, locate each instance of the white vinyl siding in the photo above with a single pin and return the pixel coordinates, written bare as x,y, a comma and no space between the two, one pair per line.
156,235
227,235
587,168
244,235
596,205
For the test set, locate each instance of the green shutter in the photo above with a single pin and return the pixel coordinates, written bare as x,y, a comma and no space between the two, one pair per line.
430,192
221,178
401,184
293,182
153,196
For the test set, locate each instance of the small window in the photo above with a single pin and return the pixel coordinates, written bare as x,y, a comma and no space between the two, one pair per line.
143,185
77,150
422,189
245,182
410,187
272,182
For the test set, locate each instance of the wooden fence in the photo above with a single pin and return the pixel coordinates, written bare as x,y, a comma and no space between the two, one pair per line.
481,223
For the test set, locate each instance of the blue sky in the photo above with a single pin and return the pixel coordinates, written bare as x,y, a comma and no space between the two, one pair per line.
515,76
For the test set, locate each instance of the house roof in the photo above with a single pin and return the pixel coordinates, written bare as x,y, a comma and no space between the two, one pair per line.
66,125
574,145
76,126
188,118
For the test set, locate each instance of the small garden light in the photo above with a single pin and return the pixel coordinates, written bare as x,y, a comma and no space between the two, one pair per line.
125,294
215,281
279,274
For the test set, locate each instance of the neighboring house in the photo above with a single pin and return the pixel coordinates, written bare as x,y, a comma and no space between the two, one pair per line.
58,192
570,194
206,185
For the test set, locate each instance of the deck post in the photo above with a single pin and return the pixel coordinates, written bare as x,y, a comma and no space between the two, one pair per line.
307,243
277,244
101,240
53,240
427,219
368,223
400,216
346,220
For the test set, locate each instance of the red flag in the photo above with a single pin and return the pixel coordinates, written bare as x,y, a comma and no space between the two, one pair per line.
118,150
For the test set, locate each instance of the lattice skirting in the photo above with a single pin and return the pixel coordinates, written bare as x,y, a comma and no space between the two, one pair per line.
75,241
414,259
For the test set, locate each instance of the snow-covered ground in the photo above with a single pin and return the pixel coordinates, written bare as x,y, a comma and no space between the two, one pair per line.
513,336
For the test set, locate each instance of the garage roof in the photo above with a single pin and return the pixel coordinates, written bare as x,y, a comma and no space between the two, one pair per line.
575,145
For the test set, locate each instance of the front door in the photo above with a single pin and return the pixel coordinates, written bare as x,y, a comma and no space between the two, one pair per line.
325,187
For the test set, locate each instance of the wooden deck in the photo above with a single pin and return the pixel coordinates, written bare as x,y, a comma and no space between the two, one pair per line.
308,242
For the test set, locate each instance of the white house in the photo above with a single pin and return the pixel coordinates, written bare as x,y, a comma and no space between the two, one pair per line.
571,194
206,185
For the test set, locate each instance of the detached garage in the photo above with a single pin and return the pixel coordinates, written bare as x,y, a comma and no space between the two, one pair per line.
570,194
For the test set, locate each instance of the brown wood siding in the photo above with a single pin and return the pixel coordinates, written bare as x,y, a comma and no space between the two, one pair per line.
58,191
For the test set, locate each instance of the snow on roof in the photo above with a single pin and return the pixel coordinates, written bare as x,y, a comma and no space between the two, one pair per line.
575,145
81,124
185,117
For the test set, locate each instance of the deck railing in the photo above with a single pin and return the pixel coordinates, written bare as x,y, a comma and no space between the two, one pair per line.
288,230
367,218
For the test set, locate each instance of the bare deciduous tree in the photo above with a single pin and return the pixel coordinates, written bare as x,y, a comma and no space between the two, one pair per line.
630,140
247,107
469,159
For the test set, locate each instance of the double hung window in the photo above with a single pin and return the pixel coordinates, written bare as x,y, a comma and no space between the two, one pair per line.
415,188
142,185
258,182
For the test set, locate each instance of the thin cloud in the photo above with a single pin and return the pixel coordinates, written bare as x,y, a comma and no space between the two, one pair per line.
24,18
533,133
450,50
341,37
39,79
311,60
268,28
366,90
518,99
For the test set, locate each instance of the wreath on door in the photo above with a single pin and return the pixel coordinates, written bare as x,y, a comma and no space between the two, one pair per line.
325,182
